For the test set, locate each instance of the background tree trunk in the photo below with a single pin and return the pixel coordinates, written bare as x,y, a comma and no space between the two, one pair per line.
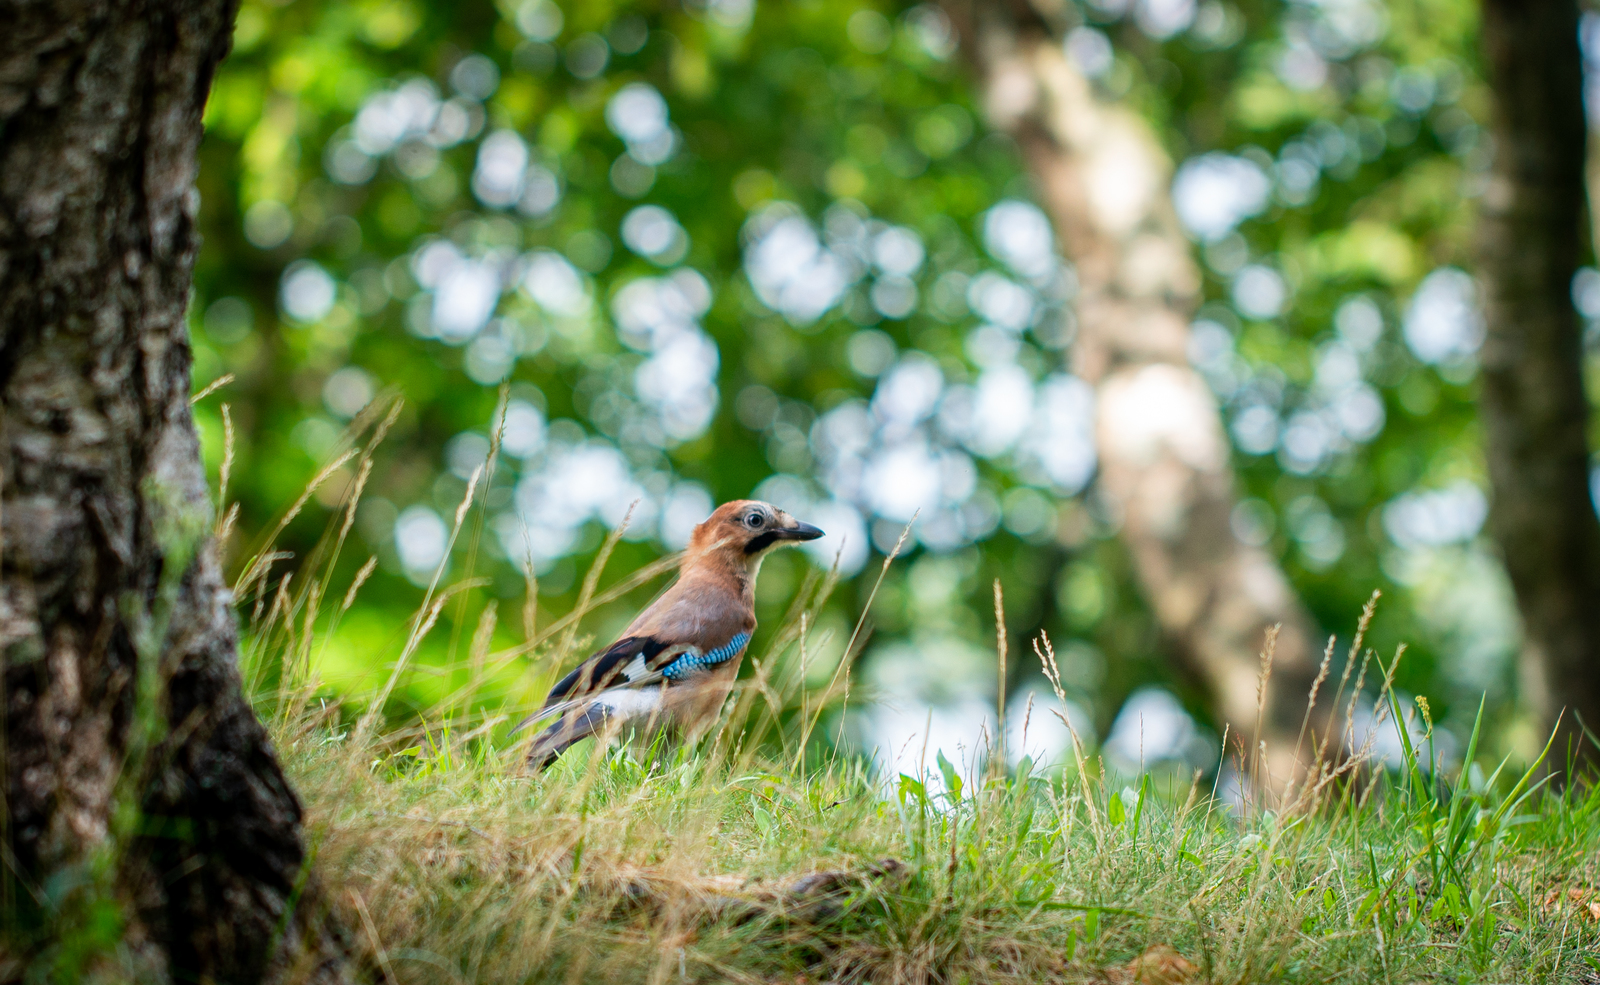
1164,455
149,832
1535,413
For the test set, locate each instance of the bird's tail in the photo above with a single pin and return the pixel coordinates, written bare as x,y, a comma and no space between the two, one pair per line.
565,733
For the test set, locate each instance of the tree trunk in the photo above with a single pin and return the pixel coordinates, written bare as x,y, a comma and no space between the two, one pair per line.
148,833
1535,413
1164,456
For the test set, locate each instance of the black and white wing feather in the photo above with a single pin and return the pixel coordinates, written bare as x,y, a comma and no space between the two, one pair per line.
631,662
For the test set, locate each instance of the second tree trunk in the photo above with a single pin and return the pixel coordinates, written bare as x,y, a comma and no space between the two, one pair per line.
1535,410
1164,455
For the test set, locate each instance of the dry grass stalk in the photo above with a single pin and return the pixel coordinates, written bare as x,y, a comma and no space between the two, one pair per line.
841,672
482,639
226,472
1259,764
1000,659
316,483
530,598
1052,673
211,388
422,624
586,603
491,463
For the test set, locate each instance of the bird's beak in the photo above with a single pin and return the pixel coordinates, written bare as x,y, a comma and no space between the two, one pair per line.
800,531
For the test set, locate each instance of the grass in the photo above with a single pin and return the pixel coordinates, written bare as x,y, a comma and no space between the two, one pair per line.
448,863
453,866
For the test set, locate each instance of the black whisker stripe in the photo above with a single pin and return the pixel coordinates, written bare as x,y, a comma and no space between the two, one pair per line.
762,542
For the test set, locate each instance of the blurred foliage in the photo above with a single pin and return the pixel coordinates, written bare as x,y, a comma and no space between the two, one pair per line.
347,142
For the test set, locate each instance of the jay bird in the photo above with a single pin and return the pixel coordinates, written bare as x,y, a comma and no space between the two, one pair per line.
677,661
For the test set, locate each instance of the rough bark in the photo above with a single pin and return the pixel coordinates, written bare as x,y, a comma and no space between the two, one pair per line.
1535,413
1164,457
137,780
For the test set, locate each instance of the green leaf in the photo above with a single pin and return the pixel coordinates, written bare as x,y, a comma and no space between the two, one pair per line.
1369,903
1138,802
913,787
952,779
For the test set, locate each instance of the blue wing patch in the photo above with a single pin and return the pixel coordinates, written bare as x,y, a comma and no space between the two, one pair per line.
693,660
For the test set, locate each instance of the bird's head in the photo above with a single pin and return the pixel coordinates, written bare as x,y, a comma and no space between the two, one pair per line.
745,530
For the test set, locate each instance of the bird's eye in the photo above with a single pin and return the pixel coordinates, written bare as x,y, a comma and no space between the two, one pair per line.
753,520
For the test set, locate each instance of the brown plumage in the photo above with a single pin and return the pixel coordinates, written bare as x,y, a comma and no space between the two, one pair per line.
676,662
